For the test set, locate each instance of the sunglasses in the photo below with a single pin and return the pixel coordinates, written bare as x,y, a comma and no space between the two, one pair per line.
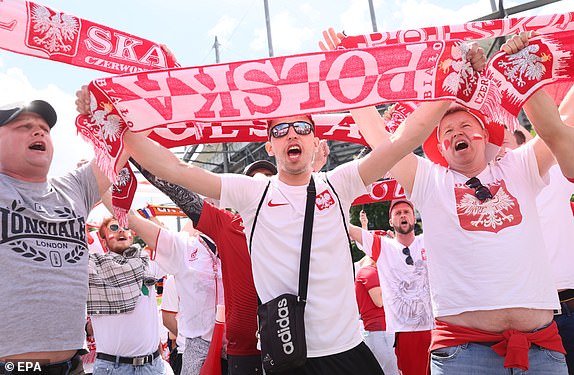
480,191
300,127
409,258
116,227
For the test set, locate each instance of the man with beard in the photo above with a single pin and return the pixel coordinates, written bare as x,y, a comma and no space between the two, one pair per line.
122,305
401,263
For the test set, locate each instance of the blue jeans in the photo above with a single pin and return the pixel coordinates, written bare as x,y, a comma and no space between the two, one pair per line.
473,358
565,323
103,367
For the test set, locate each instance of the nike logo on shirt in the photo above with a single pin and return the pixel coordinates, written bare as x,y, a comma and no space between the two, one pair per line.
271,204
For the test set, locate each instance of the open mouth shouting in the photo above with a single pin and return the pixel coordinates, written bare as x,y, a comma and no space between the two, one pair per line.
38,146
460,145
294,151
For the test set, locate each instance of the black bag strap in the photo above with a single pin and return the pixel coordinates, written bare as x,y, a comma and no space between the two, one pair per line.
344,223
257,214
306,242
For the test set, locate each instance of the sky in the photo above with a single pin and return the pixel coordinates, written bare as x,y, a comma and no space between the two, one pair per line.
189,28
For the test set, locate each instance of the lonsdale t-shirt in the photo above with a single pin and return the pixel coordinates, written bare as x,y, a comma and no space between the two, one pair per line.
44,267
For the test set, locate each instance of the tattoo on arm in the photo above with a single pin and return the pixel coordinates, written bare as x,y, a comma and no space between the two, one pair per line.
190,203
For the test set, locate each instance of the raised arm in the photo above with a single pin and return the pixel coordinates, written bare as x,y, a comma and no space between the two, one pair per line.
165,165
564,157
190,203
555,127
396,150
552,134
566,108
355,233
156,158
554,137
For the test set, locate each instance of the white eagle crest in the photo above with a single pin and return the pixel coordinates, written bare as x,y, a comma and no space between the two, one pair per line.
123,178
525,65
110,124
323,200
490,212
58,30
463,76
411,303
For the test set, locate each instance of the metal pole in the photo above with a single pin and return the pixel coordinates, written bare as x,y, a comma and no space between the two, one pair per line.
224,147
493,5
373,18
268,25
216,47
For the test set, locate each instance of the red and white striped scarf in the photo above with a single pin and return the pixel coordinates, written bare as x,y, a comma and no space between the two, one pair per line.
319,82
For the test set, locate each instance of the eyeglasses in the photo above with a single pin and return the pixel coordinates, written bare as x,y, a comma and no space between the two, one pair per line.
480,191
409,258
300,127
116,227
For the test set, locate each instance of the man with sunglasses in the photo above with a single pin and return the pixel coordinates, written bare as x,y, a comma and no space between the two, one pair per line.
122,304
402,265
226,229
491,285
44,250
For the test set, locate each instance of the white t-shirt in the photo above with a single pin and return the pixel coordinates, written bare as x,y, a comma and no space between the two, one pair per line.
131,334
331,314
170,303
485,256
197,273
557,224
405,288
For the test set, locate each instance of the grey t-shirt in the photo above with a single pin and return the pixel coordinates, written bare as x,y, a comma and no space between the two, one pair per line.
44,262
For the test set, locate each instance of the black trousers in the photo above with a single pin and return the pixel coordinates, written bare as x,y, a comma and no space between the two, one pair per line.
244,365
359,360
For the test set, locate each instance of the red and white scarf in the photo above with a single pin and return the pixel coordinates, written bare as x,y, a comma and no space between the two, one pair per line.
544,24
320,82
37,30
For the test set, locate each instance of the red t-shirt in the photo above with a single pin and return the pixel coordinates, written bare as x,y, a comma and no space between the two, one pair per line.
373,317
226,229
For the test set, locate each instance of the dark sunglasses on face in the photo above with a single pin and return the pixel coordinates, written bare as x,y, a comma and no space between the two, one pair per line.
409,258
480,191
300,127
116,227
